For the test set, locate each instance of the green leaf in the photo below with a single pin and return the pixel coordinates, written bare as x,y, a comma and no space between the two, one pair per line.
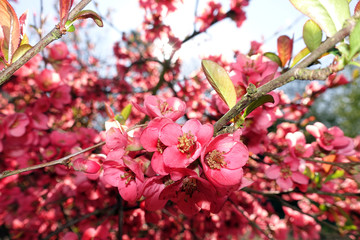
337,174
357,64
330,15
20,51
312,35
119,118
355,41
125,113
349,225
307,172
220,81
90,14
300,55
344,50
69,26
257,103
323,207
273,57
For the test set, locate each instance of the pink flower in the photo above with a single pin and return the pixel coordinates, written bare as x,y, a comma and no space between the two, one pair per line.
254,69
183,144
116,142
70,236
223,159
63,139
58,51
286,174
335,80
149,139
127,175
298,146
39,120
331,139
86,166
152,188
115,138
48,80
60,96
212,13
172,108
15,124
191,193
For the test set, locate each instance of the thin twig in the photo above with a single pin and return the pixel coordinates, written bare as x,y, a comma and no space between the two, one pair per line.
62,161
76,220
344,166
279,193
335,228
53,35
120,207
252,223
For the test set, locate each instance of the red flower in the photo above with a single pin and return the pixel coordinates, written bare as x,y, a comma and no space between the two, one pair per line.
15,124
331,139
183,144
149,139
125,174
191,193
172,108
223,159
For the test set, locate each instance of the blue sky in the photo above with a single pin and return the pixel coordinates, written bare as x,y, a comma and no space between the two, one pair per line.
266,20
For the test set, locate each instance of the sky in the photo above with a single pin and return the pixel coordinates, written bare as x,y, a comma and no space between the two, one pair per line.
265,21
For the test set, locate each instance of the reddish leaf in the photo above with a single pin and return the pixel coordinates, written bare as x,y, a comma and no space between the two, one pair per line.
10,28
329,158
65,6
22,21
284,46
90,14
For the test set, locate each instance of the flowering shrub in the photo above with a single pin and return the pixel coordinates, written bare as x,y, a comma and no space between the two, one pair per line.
188,161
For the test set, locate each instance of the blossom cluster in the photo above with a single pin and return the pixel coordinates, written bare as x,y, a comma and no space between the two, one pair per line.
163,172
187,166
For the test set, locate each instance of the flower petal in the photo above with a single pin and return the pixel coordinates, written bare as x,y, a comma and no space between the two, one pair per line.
193,126
284,183
170,133
175,159
299,178
273,172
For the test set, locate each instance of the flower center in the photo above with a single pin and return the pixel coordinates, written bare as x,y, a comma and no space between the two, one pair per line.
299,149
189,186
165,108
286,172
129,176
186,143
215,159
160,146
327,138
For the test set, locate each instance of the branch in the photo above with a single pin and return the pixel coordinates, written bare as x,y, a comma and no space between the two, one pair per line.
279,193
72,222
50,37
324,223
252,223
195,33
285,78
63,161
346,166
315,74
120,209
